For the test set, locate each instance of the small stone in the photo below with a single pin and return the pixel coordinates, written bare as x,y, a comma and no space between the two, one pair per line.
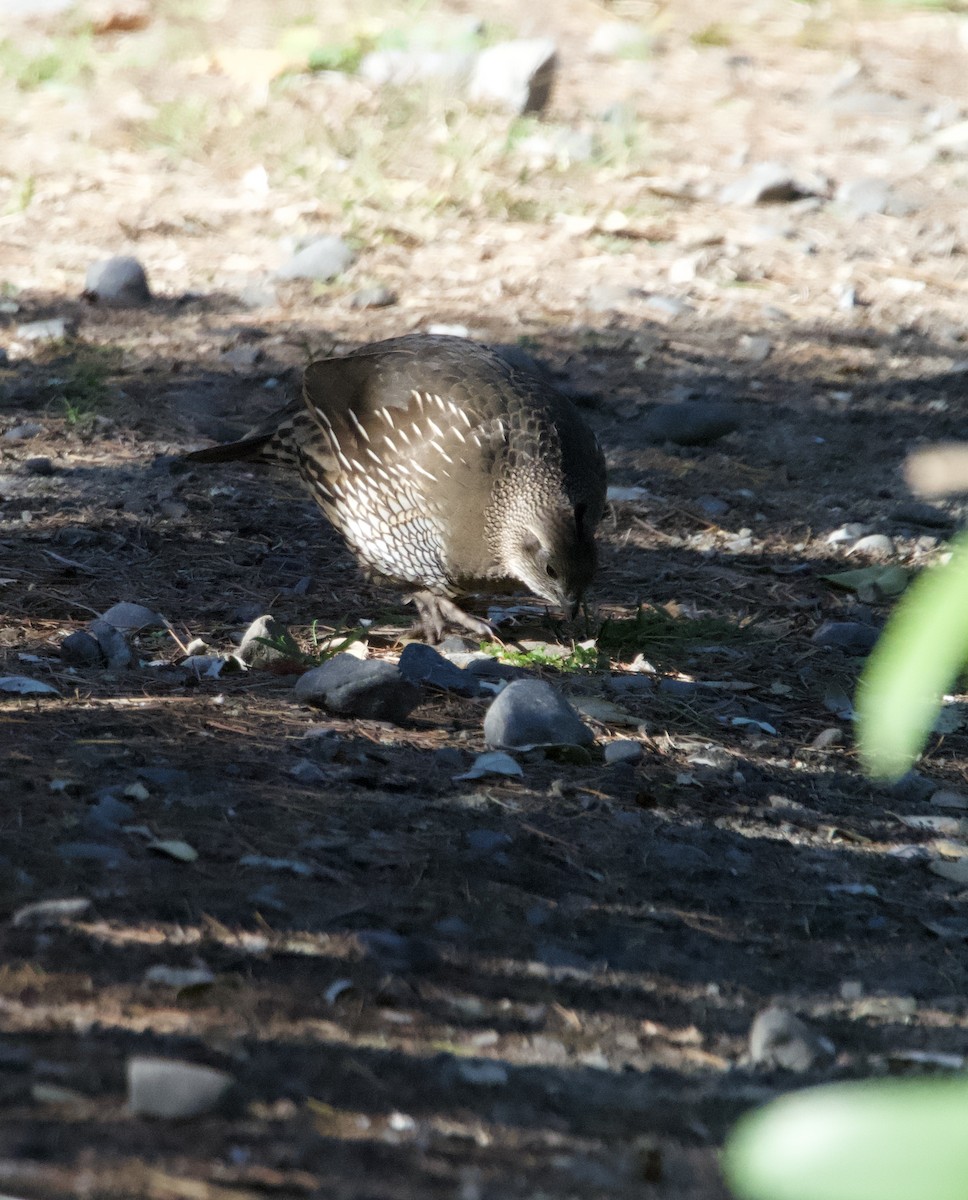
120,282
755,348
374,689
613,39
827,738
404,68
305,771
102,853
691,423
852,636
665,306
517,75
47,913
23,433
530,712
877,545
53,330
130,618
322,259
373,297
916,512
116,651
422,664
766,183
243,357
847,535
172,1089
623,751
254,651
39,465
712,506
778,1038
80,649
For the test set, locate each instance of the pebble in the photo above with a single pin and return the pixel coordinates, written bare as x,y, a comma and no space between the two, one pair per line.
623,751
304,770
120,282
493,762
80,649
712,506
611,39
530,712
918,513
39,465
107,814
852,636
754,348
93,852
114,648
778,1038
847,535
22,433
322,259
766,183
51,330
404,68
173,1089
877,545
373,297
252,648
374,690
665,306
423,664
130,618
692,422
517,75
46,913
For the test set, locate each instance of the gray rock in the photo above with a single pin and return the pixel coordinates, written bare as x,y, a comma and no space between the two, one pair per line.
120,282
23,432
754,348
778,1038
80,649
93,852
623,751
712,506
516,75
130,618
107,815
422,664
614,38
691,423
766,183
530,712
305,771
173,1090
852,636
114,648
373,297
877,545
916,512
864,197
252,648
372,689
404,68
51,330
666,306
39,465
324,258
242,357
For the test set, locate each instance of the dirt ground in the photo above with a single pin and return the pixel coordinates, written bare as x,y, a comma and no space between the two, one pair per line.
426,987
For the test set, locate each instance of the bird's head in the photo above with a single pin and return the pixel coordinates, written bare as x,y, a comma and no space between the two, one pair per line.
555,556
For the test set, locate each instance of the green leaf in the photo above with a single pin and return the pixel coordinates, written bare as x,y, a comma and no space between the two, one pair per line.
881,1140
917,659
873,583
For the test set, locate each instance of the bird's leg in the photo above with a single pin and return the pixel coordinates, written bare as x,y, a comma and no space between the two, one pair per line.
437,612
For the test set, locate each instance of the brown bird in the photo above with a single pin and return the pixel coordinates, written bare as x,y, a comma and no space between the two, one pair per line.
447,470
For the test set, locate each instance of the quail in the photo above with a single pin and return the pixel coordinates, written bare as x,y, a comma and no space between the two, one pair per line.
448,471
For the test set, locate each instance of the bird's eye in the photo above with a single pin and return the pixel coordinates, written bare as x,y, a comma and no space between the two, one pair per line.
551,572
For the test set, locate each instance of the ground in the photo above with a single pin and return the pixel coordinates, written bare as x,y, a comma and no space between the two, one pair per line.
422,986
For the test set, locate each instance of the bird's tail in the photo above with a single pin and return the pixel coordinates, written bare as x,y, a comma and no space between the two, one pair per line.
274,441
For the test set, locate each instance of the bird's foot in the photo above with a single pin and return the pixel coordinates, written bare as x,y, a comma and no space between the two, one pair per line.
437,612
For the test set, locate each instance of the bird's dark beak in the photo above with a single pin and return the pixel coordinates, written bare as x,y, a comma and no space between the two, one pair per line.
572,608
